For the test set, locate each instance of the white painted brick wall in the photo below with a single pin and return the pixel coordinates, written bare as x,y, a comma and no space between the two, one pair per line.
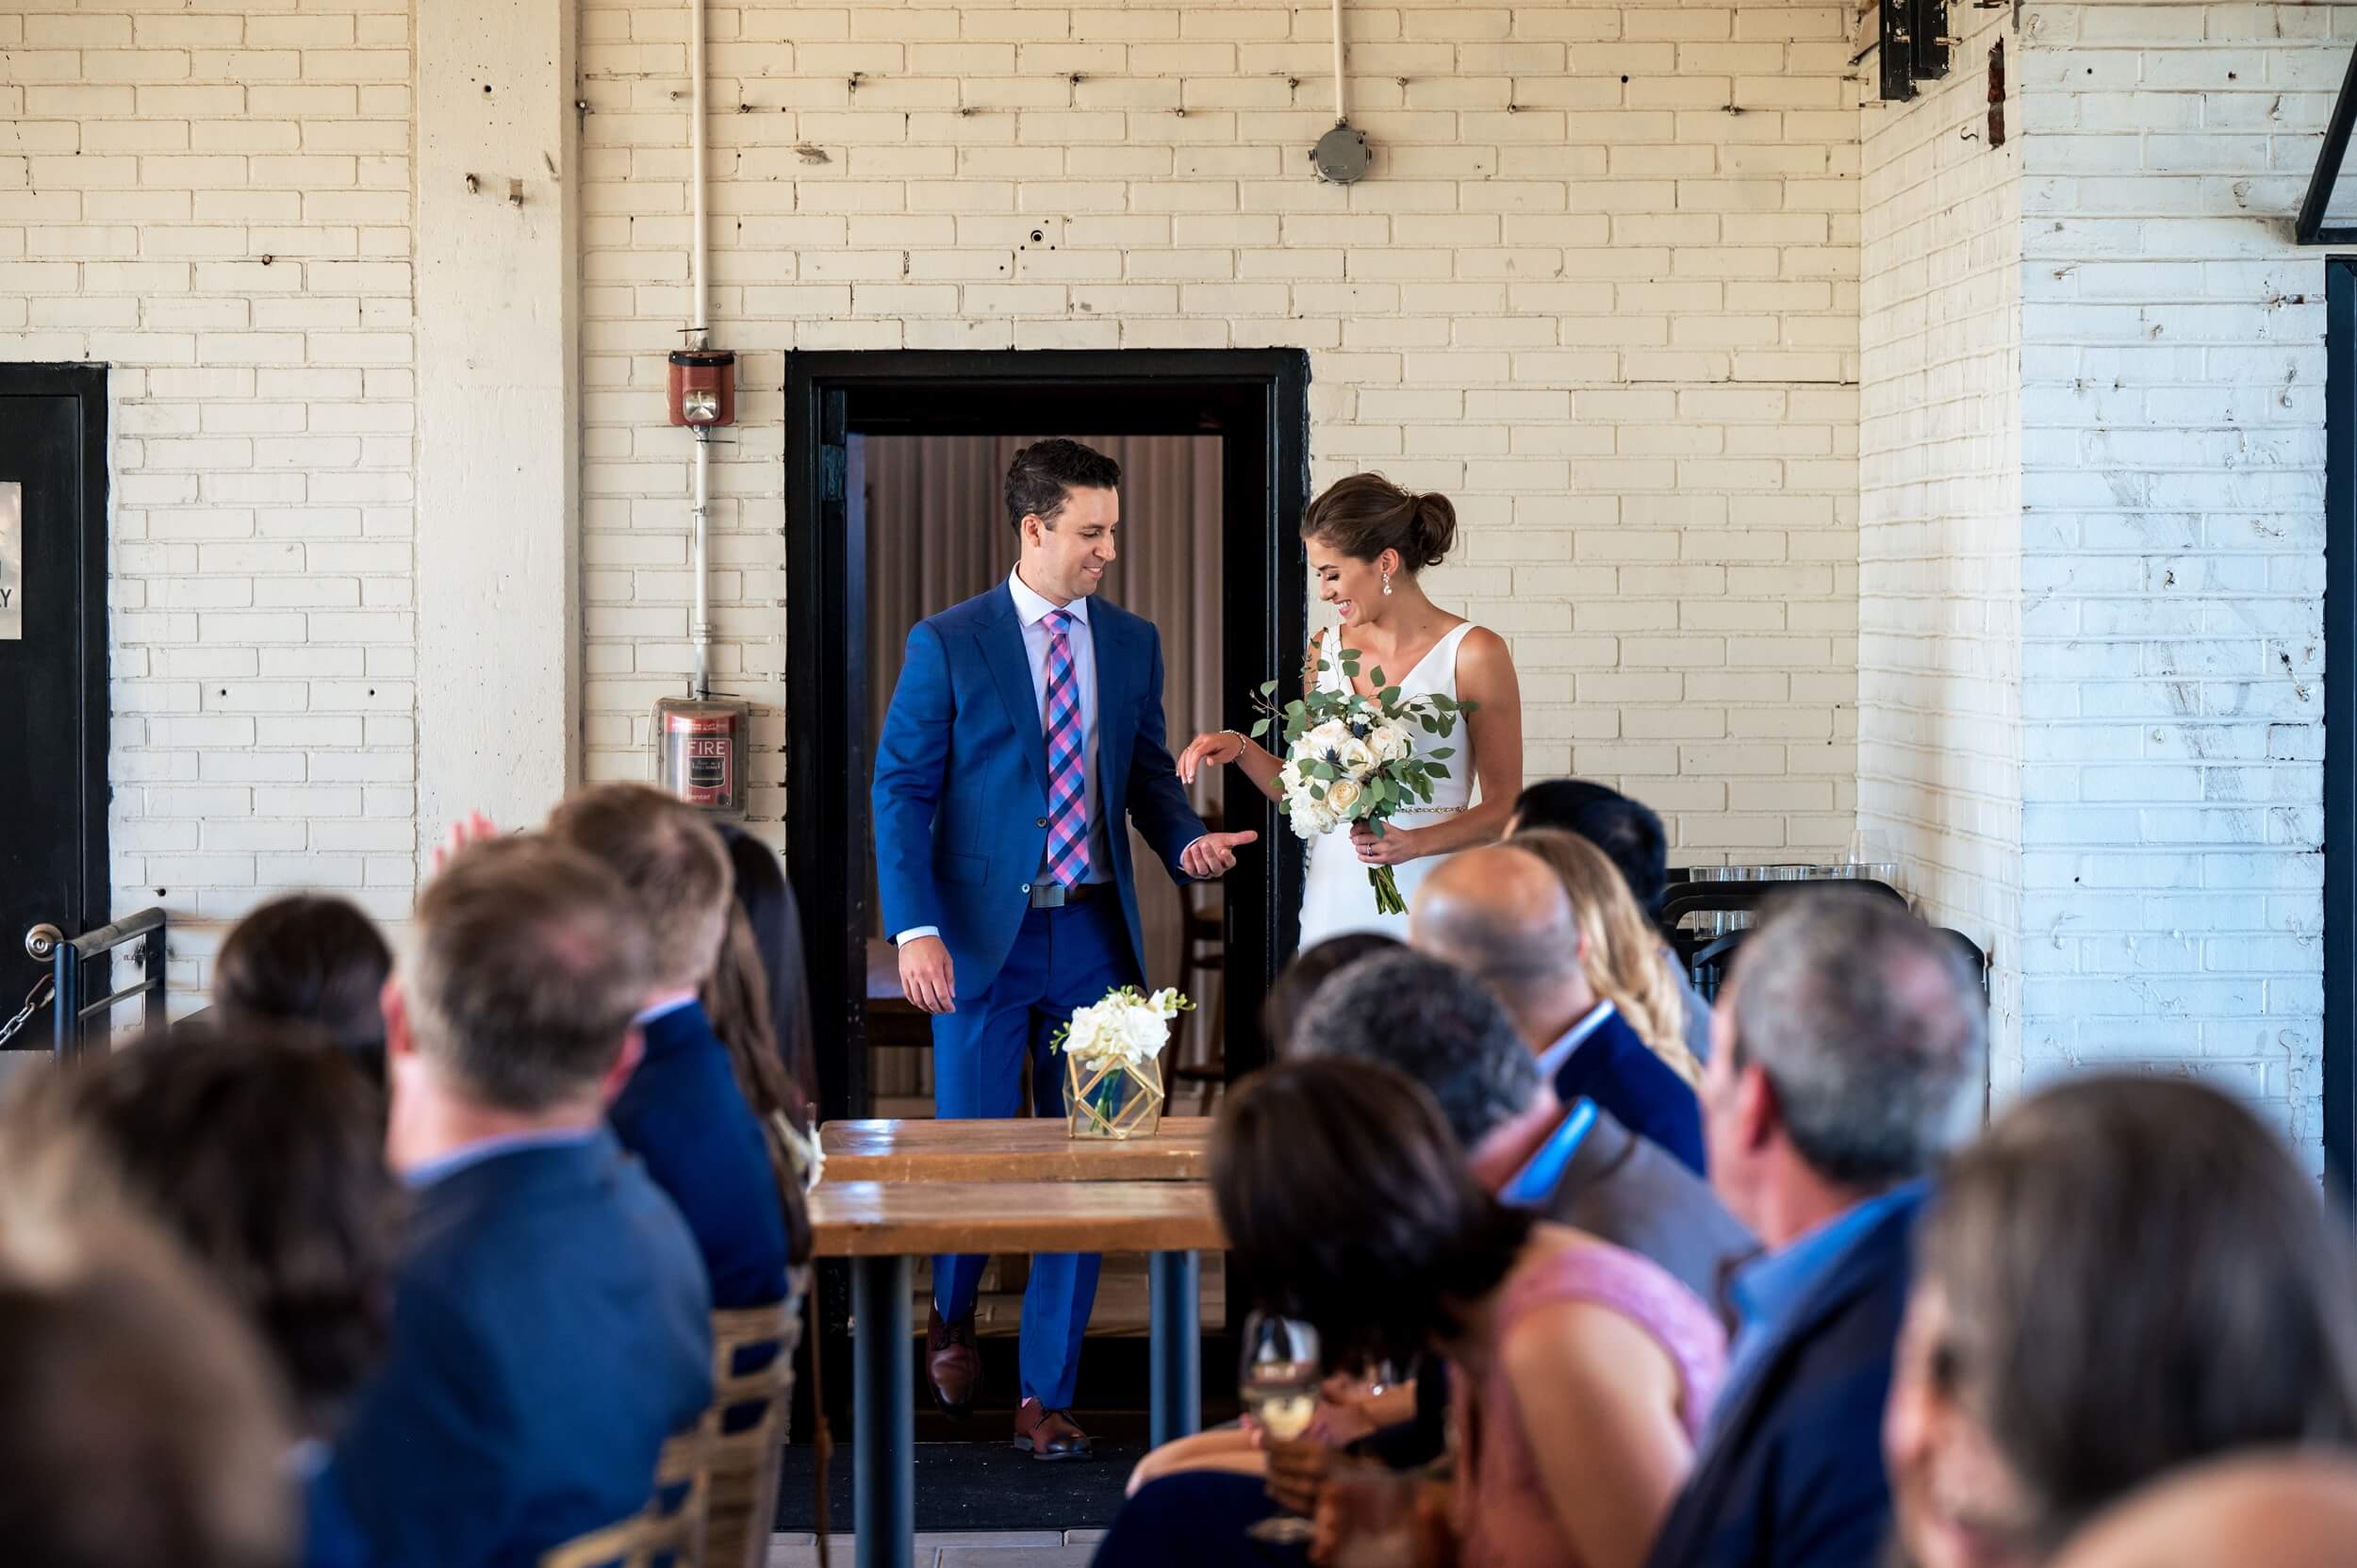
1939,492
1613,320
218,205
2172,563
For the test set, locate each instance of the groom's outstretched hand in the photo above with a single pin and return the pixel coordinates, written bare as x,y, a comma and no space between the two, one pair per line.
926,978
1211,855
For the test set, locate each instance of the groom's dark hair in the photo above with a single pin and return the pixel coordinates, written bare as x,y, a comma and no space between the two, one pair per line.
1044,475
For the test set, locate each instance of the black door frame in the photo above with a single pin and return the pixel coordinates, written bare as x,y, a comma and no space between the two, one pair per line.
86,384
2340,731
1257,399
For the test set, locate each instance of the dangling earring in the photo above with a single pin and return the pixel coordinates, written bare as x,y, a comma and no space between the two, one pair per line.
1387,583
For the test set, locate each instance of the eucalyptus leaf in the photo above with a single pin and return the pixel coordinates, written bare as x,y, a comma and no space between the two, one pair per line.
1438,752
1261,729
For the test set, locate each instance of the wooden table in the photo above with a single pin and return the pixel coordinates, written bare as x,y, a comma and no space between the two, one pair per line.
883,1227
1036,1148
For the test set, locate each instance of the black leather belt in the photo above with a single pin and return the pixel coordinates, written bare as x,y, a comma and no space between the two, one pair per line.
1055,895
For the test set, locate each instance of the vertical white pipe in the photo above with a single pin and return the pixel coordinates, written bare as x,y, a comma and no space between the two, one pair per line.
700,567
1340,118
698,324
699,546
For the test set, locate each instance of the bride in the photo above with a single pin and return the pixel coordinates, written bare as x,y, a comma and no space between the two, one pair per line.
1367,540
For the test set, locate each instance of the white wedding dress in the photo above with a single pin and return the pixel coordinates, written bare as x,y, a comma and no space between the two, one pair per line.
1337,897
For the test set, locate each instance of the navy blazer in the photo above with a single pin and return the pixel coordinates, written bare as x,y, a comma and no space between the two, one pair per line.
960,786
684,1116
551,1328
1791,1475
1614,1067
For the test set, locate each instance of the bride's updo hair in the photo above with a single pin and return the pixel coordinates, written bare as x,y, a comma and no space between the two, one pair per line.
1365,515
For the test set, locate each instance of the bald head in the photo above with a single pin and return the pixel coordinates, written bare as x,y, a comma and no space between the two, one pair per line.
2274,1512
1501,915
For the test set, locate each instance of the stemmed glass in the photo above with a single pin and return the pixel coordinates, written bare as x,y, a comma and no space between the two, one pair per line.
1279,1385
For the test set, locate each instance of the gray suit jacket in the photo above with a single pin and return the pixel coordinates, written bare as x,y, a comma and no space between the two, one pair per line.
1635,1194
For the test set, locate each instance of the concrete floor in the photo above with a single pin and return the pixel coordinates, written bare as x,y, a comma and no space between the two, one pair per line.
955,1549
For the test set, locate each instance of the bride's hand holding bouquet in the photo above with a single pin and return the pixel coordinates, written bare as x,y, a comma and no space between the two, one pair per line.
1352,760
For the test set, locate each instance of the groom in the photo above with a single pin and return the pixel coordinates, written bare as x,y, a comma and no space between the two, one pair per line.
1027,723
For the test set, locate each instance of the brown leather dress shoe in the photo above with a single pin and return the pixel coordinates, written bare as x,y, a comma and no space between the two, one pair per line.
952,1363
1048,1435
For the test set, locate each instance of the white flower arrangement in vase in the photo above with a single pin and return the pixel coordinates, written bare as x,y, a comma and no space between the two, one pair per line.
1113,1061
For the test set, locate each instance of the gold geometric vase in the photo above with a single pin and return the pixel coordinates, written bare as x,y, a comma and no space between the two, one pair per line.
1113,1101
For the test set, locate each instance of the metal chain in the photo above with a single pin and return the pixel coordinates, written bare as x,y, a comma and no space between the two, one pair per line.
43,990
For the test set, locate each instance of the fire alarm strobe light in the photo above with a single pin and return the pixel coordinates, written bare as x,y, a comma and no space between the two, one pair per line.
703,386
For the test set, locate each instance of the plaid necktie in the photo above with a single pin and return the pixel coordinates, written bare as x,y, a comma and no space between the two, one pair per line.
1066,859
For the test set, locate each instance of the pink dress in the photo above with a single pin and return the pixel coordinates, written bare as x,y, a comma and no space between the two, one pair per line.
1502,1517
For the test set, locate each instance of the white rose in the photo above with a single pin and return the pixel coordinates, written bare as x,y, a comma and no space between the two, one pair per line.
1143,1034
1342,795
1355,757
1327,739
1389,743
1320,820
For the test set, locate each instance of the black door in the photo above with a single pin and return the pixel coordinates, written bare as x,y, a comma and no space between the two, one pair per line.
53,668
1255,400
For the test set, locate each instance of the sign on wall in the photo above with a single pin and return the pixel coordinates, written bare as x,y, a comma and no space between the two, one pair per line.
11,561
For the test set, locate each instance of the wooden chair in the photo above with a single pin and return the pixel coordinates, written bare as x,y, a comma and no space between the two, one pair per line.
740,1441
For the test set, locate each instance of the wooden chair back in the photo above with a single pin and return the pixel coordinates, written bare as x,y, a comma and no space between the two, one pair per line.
742,1436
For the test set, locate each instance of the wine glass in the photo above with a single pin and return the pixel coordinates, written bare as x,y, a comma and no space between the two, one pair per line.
1279,1387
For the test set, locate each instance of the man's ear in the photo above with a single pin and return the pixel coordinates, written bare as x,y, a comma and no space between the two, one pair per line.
625,1062
1759,1110
399,1041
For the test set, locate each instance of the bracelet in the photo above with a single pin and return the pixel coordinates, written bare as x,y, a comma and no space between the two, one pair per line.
1243,741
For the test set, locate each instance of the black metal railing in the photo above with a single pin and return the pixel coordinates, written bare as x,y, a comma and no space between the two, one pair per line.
72,1015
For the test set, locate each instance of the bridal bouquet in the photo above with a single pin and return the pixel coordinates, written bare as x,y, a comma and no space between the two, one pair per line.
1113,1051
1352,759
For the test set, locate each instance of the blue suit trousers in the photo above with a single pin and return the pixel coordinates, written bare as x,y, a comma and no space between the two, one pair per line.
1062,958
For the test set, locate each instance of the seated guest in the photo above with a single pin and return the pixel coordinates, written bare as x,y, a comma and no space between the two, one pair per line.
760,890
142,1425
263,1154
552,1324
1849,1051
1619,947
1307,973
735,998
308,959
2271,1509
683,1113
1575,1165
1631,836
1501,915
2122,1277
1586,1369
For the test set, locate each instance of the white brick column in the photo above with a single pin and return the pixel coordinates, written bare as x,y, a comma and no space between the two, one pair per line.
498,417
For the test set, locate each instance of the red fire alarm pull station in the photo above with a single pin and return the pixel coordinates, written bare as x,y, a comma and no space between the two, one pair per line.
700,752
703,386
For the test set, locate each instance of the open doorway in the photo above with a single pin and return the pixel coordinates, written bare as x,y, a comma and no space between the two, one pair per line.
874,424
931,511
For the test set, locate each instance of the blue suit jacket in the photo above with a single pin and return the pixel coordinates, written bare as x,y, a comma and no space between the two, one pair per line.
1613,1067
551,1328
1791,1473
961,788
682,1115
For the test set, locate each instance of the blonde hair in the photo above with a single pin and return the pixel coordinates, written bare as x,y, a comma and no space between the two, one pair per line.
1619,948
